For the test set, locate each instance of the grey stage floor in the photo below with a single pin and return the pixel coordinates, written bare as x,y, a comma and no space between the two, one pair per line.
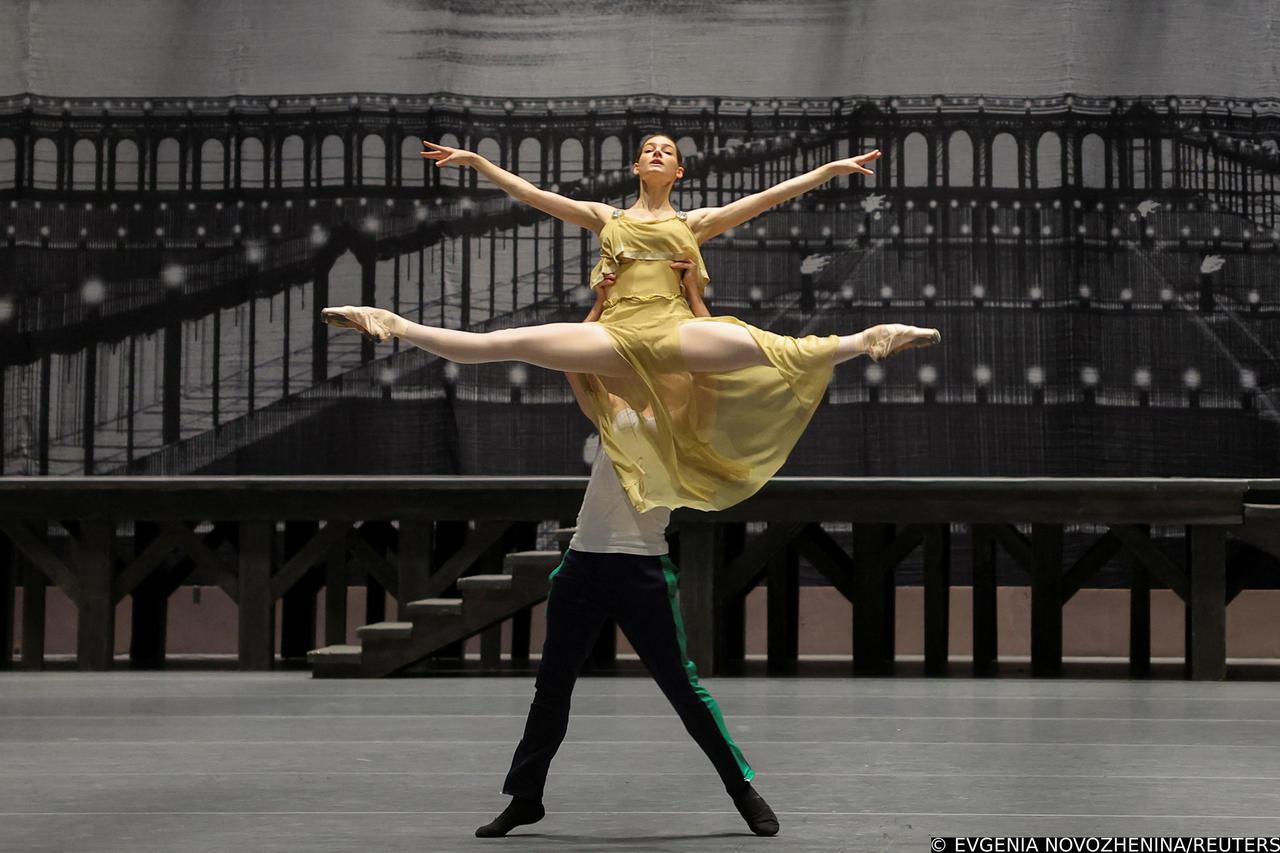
260,762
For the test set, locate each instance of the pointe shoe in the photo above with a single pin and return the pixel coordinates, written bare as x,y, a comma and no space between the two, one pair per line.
884,340
375,323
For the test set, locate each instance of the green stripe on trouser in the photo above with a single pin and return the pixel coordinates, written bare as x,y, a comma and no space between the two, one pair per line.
670,572
563,557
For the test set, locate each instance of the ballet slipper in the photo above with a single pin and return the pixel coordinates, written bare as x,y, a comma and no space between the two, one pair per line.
375,323
882,341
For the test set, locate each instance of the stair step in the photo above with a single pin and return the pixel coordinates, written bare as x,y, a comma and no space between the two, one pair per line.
386,631
531,565
335,654
535,558
435,607
484,583
1262,512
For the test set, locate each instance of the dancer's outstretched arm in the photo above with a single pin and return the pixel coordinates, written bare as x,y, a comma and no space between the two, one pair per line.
707,222
588,214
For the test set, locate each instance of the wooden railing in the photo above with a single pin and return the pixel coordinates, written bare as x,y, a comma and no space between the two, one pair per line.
262,539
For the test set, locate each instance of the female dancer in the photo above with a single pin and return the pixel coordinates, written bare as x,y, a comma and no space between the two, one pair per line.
729,400
616,566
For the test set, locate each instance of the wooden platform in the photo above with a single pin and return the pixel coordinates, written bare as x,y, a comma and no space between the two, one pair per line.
265,540
279,761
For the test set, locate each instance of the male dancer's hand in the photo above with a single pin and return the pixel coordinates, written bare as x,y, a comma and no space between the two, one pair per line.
601,294
691,282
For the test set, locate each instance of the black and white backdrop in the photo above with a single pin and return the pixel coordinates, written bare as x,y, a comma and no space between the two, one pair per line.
1082,196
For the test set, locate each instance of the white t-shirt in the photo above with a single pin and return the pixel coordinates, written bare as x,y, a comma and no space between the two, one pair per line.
607,521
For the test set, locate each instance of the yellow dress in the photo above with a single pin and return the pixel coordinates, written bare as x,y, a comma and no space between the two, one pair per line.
716,437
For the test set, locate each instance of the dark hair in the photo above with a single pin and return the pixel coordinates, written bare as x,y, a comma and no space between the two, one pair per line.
645,140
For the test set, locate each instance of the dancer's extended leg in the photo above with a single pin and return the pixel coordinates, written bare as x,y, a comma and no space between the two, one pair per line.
570,347
716,347
588,347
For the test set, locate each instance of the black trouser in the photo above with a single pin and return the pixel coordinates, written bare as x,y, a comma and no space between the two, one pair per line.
640,593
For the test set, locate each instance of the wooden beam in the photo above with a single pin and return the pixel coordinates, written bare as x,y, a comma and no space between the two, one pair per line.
477,543
10,566
335,598
828,558
783,637
491,645
1094,558
42,557
137,569
1206,627
937,597
907,539
745,570
203,557
375,564
34,587
701,551
1137,541
1143,500
1139,612
1046,599
731,609
256,604
149,593
1016,545
312,553
298,598
873,604
413,561
96,616
1264,537
985,626
1237,567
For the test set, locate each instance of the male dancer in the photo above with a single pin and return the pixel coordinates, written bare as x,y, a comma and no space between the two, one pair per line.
617,565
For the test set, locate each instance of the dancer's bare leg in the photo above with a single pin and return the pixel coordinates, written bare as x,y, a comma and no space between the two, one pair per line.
588,347
566,347
716,347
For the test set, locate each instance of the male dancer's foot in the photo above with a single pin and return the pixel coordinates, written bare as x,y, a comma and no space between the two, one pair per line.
520,812
755,811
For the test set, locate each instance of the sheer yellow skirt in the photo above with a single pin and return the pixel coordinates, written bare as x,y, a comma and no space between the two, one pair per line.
716,437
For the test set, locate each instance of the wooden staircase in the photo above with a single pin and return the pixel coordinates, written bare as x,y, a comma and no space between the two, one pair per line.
388,647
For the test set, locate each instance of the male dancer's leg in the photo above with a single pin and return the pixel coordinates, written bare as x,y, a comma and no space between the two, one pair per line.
651,621
574,616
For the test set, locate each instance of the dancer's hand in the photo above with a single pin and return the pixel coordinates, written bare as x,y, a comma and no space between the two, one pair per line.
689,278
854,165
690,281
446,156
596,310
